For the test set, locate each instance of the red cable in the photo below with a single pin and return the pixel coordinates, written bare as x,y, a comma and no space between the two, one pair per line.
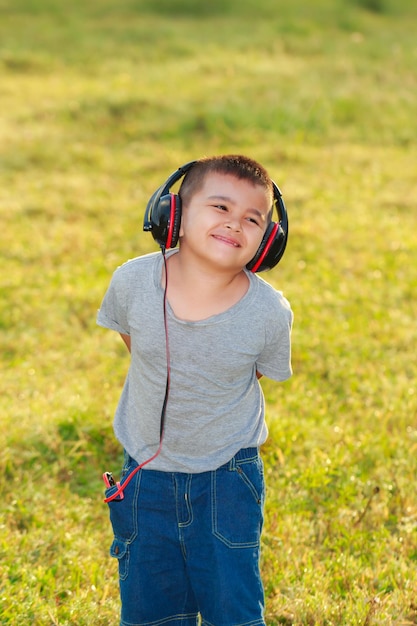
120,488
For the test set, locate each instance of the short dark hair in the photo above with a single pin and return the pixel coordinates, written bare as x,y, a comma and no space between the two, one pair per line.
242,167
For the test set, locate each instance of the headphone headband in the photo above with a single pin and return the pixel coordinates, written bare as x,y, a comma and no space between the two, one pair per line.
163,219
176,176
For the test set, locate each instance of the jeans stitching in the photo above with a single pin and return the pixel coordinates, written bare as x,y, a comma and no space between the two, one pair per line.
160,622
134,516
257,622
258,498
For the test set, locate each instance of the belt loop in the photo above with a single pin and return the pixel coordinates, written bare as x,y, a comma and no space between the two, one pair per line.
232,464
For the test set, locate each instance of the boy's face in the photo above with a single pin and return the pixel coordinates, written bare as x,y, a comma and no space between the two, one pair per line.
225,221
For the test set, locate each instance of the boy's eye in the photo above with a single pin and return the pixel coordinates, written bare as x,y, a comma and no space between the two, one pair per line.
222,207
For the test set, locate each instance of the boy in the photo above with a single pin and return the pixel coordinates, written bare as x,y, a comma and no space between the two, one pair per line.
201,329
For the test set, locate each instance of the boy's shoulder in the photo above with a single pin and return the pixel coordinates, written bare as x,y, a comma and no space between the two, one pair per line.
268,296
138,264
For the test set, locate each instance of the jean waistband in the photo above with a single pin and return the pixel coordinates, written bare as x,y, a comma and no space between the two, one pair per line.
244,455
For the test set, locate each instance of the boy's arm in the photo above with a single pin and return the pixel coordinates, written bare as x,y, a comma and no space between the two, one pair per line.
126,339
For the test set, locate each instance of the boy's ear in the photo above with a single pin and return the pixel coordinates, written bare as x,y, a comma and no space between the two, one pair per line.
181,231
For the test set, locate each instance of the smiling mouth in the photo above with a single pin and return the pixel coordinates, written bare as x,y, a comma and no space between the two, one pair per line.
227,241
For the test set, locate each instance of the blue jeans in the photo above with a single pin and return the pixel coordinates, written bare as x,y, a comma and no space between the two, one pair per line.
188,545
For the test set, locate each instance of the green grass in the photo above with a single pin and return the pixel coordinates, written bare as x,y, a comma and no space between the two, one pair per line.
100,101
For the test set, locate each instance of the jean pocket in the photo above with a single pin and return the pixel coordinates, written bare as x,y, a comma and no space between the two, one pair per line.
237,504
120,551
124,512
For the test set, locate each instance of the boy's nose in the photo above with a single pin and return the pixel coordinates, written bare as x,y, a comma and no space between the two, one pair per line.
233,224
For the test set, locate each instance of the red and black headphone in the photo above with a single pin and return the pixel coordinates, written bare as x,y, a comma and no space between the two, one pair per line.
163,219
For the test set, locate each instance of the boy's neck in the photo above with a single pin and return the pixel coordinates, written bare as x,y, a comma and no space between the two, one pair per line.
196,291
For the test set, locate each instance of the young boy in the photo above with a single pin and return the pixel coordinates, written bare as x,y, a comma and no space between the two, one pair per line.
201,329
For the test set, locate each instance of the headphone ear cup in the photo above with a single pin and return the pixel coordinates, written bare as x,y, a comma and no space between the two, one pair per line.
163,212
175,221
271,249
163,218
260,251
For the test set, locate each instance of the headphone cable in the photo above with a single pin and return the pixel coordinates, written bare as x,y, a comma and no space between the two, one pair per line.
120,488
168,358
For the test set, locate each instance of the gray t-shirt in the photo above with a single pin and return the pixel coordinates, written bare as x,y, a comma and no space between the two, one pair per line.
215,405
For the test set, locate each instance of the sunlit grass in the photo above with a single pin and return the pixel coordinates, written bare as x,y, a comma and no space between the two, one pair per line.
100,102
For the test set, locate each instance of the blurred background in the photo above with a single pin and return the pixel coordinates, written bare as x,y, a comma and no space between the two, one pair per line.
99,102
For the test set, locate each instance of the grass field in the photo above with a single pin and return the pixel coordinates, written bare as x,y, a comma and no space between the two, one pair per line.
99,102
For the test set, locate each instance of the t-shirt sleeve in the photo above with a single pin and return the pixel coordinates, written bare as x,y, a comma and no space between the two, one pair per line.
113,312
275,359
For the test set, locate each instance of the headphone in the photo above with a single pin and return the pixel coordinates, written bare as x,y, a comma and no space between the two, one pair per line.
163,219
